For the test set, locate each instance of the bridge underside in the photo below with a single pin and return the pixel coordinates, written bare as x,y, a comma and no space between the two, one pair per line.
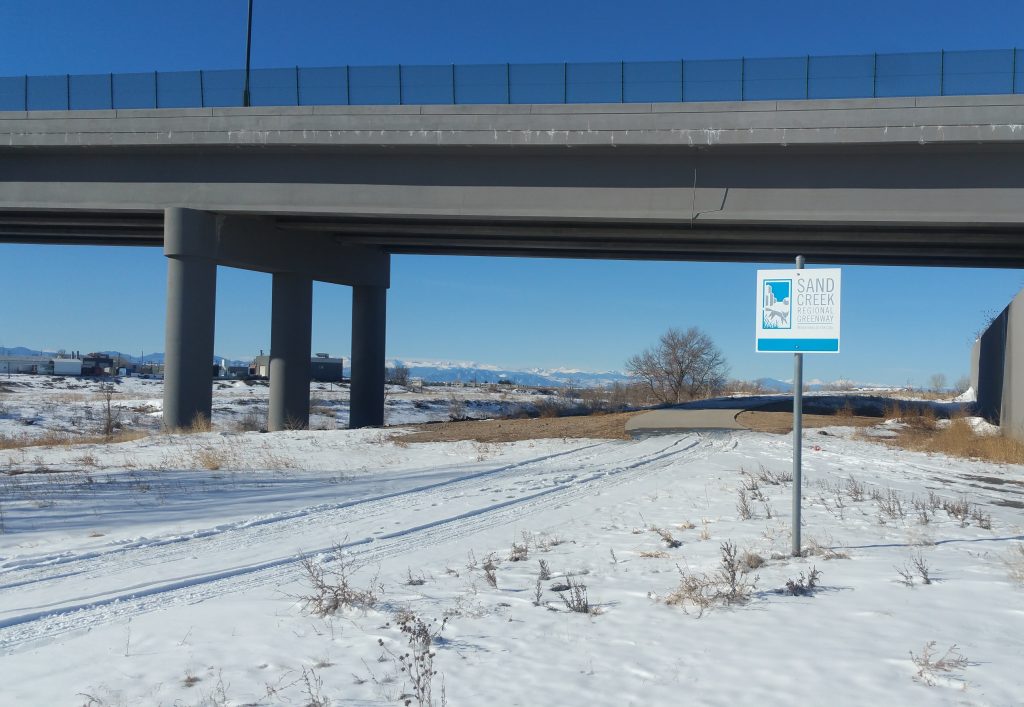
862,244
330,193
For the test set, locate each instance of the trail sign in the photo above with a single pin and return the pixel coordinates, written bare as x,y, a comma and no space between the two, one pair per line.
798,311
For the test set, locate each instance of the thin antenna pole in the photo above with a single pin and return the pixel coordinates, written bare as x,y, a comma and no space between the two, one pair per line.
248,51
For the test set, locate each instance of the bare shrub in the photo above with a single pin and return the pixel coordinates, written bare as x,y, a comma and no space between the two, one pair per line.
490,568
653,554
200,423
210,458
251,421
666,537
890,505
575,598
804,585
418,662
519,552
773,478
959,509
816,548
545,571
981,519
921,566
336,591
752,561
855,489
538,592
728,585
929,663
743,505
456,408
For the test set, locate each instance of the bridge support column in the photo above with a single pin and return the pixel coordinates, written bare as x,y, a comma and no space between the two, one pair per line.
190,245
369,322
290,339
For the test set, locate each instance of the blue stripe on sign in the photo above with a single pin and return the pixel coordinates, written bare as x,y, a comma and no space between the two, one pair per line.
799,345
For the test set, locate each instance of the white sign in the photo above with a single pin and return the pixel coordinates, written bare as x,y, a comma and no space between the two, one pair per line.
798,311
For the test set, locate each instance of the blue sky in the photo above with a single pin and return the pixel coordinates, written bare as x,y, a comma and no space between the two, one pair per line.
899,324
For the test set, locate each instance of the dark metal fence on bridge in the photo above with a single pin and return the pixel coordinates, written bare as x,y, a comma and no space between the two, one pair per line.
857,76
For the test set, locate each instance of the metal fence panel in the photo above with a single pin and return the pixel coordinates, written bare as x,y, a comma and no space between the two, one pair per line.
482,83
180,89
653,81
713,80
375,85
428,84
1018,71
323,86
977,73
89,91
273,87
857,76
594,82
913,74
12,92
47,93
223,87
135,90
841,76
775,79
537,83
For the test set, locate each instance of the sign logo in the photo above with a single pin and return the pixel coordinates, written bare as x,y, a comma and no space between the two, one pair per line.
777,309
798,310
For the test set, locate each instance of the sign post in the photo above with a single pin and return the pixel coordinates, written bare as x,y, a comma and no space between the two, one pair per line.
798,313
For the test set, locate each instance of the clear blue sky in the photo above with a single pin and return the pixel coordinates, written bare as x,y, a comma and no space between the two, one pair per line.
510,312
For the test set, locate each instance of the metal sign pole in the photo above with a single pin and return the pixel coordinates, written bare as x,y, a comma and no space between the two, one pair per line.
798,425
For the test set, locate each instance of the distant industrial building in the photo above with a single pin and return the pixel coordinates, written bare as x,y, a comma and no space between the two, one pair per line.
25,364
321,368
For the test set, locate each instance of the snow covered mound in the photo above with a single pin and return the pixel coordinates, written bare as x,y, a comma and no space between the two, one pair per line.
585,573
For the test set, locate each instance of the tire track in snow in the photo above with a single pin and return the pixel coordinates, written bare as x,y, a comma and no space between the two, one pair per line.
28,628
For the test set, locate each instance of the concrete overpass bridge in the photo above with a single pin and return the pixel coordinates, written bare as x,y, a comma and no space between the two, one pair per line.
329,193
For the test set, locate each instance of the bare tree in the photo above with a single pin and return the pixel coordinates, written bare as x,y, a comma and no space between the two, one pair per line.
962,384
683,365
399,375
937,381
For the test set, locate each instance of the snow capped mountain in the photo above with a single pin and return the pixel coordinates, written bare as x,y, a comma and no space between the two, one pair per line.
470,371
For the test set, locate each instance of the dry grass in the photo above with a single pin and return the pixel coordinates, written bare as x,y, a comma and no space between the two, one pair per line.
600,426
782,422
66,439
957,440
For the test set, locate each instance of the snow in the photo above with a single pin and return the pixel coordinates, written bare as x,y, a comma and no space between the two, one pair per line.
34,406
130,574
968,396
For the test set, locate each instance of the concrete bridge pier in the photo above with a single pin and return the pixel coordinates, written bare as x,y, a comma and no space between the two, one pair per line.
190,247
369,324
290,342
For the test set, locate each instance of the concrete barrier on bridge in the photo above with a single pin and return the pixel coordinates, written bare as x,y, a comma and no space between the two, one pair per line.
997,369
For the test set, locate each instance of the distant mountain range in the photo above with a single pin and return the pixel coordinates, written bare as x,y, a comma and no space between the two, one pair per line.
775,385
471,371
434,371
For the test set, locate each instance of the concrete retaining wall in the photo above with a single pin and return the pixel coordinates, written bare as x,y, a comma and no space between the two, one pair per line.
997,369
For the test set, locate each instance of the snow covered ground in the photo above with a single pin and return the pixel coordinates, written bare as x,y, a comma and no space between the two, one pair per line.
34,406
166,571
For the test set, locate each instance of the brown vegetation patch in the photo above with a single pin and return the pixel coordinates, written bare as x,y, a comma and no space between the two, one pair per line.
958,439
66,439
611,426
782,422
